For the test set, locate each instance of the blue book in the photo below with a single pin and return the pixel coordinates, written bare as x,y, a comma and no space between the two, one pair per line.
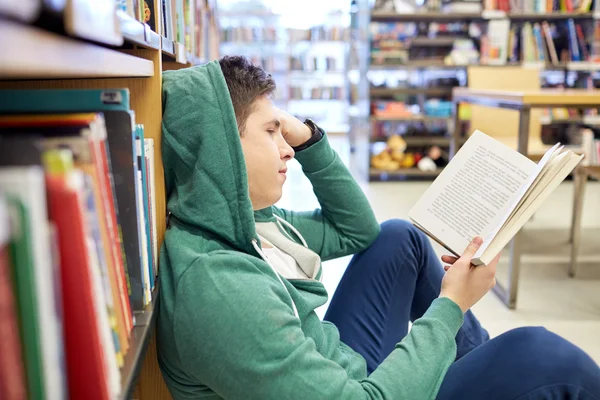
114,104
141,159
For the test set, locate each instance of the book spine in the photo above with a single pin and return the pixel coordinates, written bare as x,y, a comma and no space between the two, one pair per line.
12,373
82,333
581,39
573,46
153,201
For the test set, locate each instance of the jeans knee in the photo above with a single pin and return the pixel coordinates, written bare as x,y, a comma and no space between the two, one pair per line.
395,229
555,358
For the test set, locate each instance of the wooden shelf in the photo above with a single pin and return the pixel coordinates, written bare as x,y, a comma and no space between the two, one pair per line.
138,343
418,118
378,16
382,175
33,53
418,140
386,92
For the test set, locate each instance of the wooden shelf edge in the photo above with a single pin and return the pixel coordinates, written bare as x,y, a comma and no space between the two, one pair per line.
139,339
33,53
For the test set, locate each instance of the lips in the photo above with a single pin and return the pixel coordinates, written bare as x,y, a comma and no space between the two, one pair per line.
283,171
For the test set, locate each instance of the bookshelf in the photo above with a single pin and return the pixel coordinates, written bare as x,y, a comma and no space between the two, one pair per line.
413,45
307,56
35,56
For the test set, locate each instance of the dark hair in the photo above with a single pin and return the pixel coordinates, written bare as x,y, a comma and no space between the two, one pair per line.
246,82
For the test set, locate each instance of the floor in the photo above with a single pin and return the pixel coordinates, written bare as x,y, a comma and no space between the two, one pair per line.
547,296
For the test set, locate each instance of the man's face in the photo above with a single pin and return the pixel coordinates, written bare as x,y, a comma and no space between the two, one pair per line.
266,153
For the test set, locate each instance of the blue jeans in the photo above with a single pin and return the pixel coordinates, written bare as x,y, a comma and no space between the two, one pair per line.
395,280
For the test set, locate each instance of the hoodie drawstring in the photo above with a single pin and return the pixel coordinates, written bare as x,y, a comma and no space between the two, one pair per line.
283,221
266,259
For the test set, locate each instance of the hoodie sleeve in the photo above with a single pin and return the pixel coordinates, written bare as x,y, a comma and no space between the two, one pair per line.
345,224
236,333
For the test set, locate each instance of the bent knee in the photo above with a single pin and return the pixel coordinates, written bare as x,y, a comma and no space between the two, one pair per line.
555,357
397,228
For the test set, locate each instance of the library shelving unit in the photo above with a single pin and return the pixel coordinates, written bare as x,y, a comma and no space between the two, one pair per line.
35,56
306,56
411,49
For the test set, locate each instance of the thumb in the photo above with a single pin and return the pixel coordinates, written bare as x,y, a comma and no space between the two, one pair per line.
471,249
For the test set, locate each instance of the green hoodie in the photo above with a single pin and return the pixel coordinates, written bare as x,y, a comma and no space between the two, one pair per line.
226,325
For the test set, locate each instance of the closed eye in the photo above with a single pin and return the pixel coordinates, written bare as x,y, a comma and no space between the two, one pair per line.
271,131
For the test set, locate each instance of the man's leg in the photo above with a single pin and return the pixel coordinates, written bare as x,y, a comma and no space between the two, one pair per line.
390,283
523,364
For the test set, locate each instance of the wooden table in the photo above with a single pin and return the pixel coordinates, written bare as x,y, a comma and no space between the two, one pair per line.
523,102
582,173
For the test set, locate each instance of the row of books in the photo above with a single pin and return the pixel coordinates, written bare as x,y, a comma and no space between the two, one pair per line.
538,6
539,42
316,93
590,147
78,240
271,34
186,22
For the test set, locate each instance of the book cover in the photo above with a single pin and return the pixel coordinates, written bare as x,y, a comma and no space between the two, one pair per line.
22,182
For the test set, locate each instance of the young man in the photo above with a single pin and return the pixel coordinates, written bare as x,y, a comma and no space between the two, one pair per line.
240,278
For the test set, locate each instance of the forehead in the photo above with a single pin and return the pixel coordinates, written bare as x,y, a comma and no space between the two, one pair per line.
263,107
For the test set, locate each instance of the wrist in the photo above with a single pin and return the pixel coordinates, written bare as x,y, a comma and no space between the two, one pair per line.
455,301
315,135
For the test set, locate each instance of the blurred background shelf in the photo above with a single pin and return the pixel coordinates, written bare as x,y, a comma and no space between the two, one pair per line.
382,175
382,16
388,92
418,141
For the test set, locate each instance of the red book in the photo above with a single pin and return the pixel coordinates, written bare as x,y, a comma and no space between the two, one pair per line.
83,346
12,375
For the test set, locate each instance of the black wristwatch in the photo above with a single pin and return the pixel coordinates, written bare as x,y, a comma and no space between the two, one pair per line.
317,134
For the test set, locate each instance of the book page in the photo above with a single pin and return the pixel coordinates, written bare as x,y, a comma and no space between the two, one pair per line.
472,194
557,171
532,180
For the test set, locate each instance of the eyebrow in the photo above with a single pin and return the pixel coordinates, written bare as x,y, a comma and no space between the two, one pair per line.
275,122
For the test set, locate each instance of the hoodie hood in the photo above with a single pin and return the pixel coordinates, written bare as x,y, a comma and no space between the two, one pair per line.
205,172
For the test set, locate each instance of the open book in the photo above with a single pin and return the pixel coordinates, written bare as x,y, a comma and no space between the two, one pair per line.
488,190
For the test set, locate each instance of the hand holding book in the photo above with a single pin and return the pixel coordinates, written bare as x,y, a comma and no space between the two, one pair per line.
464,284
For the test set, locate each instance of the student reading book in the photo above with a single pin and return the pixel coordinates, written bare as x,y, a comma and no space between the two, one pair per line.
488,190
240,278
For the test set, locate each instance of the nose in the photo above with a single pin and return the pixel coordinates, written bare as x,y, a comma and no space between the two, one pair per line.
286,152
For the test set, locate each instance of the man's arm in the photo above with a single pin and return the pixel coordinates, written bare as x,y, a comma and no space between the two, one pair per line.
345,223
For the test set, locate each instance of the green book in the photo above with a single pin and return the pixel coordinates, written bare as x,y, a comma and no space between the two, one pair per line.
24,275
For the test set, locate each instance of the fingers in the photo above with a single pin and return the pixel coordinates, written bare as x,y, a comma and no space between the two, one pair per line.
472,249
449,259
